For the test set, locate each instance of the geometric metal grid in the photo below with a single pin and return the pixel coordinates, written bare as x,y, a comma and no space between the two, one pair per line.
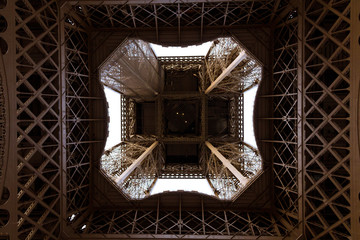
313,146
326,129
133,71
285,161
162,14
141,225
160,223
78,100
119,75
139,183
37,98
239,154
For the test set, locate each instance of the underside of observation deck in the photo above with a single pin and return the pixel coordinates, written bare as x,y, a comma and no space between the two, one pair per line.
52,120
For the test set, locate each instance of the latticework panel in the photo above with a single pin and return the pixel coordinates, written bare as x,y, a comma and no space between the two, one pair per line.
311,120
326,119
222,53
285,163
242,157
130,16
78,100
128,116
237,117
134,71
38,145
204,224
118,159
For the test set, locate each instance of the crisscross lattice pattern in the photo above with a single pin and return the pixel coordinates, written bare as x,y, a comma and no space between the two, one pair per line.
326,113
164,222
285,165
245,159
183,14
313,47
138,184
78,99
38,145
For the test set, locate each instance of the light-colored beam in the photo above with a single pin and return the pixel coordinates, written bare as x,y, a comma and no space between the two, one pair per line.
227,164
226,72
300,117
136,163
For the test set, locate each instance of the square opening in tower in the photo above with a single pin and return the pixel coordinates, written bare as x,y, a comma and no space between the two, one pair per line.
182,117
146,118
218,116
182,154
181,80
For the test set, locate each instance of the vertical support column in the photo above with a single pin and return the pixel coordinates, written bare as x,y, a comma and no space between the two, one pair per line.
9,59
62,113
355,118
300,114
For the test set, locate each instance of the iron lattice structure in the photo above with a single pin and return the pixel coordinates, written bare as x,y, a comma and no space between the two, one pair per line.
50,185
134,71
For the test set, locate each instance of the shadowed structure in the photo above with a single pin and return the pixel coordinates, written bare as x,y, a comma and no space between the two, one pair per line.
53,122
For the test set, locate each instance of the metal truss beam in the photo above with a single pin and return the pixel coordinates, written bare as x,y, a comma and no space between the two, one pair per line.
135,74
227,164
300,115
226,72
327,143
54,111
136,163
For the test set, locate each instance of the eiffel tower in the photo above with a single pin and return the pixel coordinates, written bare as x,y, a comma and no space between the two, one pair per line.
181,118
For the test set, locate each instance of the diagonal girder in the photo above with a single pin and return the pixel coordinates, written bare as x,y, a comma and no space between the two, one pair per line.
244,180
136,163
226,72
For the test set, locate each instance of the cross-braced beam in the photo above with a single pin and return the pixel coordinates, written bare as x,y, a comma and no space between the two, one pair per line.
227,164
226,72
136,163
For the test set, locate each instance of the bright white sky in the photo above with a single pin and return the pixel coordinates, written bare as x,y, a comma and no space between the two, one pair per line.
113,99
199,185
195,50
249,100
